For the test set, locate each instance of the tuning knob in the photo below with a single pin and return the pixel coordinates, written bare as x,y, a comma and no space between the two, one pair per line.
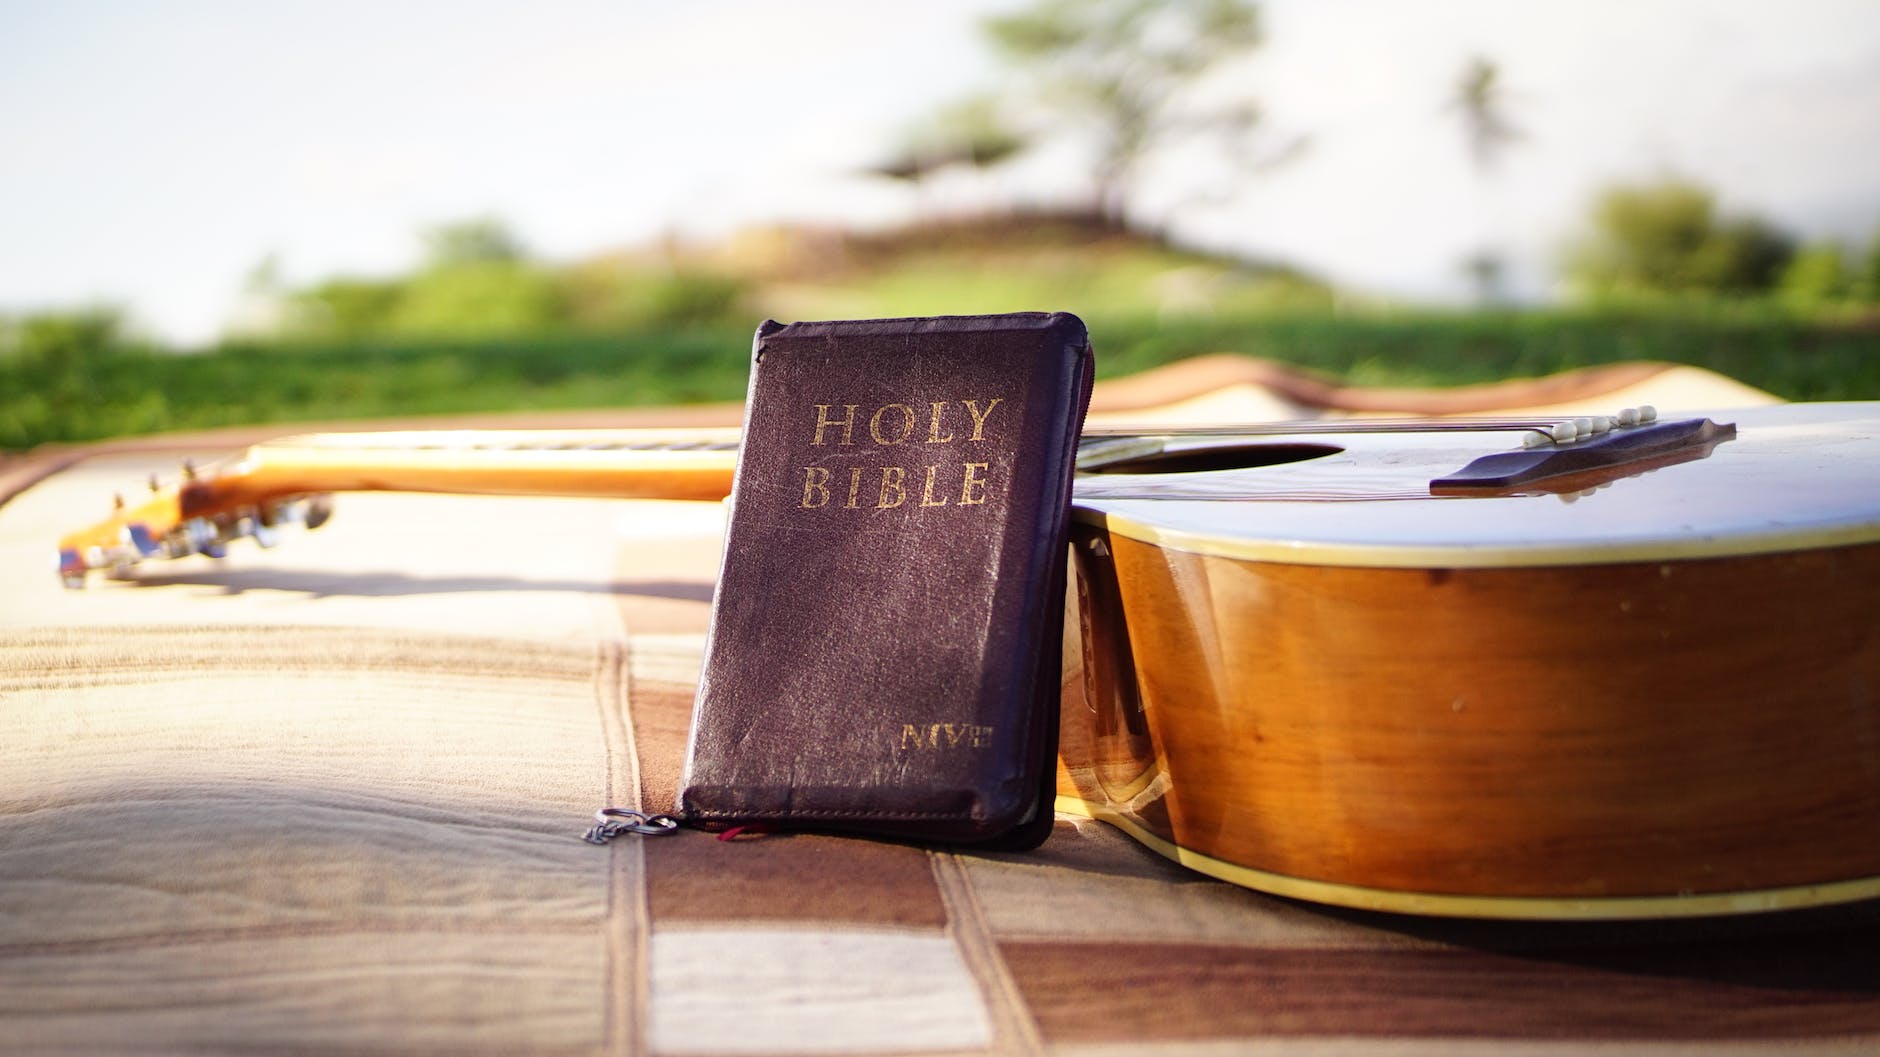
319,509
139,537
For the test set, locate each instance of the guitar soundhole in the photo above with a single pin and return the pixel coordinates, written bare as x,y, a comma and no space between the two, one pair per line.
1218,457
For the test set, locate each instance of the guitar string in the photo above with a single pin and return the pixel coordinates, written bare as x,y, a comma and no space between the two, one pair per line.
1223,431
515,442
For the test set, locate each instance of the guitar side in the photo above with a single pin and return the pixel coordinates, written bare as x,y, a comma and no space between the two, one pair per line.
1658,699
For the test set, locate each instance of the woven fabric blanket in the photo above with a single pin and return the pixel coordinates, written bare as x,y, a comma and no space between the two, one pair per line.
328,799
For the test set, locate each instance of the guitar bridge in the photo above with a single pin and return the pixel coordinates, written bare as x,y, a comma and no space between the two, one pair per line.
1572,466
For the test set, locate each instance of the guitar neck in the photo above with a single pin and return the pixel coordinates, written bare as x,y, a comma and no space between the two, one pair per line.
289,478
623,464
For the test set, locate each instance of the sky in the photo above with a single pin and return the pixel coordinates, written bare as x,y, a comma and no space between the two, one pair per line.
152,155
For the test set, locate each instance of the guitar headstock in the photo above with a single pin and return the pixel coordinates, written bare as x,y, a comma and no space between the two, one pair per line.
200,514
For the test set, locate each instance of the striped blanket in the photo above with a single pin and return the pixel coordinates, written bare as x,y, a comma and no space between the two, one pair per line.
328,799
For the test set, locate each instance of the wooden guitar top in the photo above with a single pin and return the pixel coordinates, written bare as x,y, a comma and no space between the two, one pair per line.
1793,476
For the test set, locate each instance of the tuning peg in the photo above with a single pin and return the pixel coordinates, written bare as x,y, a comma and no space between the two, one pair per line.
256,524
122,544
189,469
200,535
138,536
319,509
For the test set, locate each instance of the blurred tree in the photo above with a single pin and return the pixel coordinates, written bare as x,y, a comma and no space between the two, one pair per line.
477,297
68,337
1865,282
970,132
476,279
1816,275
605,292
1667,237
1482,103
266,305
1487,270
344,307
57,367
1747,255
1128,69
473,241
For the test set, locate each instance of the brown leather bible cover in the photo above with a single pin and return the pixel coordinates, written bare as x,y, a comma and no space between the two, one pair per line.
883,654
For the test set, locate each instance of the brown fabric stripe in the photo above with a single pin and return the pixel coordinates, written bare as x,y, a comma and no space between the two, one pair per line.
410,995
298,839
63,658
1013,1031
1819,987
662,710
662,717
287,931
795,878
623,1025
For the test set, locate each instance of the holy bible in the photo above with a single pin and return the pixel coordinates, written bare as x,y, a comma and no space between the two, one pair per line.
883,652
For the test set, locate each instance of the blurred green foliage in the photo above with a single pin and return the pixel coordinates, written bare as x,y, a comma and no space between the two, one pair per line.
476,331
1668,237
58,379
476,297
615,293
1650,241
75,387
1816,275
344,307
106,390
1865,285
969,132
478,240
478,281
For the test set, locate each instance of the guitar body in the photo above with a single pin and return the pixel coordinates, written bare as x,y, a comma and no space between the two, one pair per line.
1656,697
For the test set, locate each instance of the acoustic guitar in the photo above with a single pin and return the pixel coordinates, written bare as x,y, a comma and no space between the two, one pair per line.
1517,669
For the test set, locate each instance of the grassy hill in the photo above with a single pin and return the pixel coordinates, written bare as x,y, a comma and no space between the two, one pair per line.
1147,303
1006,263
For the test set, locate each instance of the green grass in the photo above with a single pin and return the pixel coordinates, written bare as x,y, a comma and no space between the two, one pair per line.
114,391
88,393
1793,358
70,377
